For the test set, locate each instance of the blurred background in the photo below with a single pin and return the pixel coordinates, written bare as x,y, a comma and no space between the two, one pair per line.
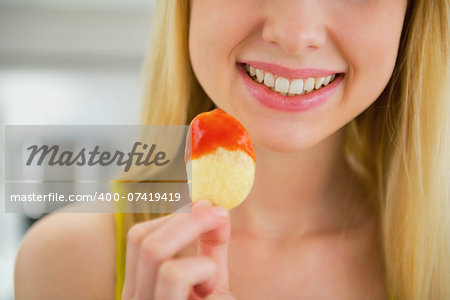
66,62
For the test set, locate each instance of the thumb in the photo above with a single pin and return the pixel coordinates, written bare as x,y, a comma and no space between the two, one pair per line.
214,244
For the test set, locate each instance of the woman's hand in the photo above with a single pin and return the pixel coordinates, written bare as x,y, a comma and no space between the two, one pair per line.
151,270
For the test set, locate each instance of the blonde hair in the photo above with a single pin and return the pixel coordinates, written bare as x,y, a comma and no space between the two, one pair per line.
399,146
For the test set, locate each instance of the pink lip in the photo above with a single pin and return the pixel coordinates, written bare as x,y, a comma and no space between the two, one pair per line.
277,101
290,73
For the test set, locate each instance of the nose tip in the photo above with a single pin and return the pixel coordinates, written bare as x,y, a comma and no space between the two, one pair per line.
295,29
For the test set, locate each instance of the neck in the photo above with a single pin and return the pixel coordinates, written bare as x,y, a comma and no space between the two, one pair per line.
299,193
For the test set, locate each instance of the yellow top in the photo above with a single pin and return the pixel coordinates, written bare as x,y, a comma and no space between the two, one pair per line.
120,254
121,240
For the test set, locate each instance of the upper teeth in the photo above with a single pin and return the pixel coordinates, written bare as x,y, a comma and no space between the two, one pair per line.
283,86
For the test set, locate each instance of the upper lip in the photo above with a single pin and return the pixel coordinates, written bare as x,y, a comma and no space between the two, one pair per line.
290,73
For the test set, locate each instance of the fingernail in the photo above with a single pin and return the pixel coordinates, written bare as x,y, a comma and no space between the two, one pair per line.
220,211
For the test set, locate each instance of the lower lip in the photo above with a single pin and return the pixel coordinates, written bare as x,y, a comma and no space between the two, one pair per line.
274,100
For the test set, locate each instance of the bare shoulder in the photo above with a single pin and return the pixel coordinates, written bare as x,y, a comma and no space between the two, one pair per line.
67,256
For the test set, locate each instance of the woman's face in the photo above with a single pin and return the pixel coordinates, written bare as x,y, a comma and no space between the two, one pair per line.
292,45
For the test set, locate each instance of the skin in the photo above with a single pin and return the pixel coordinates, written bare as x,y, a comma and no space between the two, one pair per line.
305,231
358,38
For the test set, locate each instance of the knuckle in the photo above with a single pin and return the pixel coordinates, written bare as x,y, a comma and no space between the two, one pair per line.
152,251
170,272
209,262
135,234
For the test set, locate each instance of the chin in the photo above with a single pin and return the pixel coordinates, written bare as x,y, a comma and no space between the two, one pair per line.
277,133
282,142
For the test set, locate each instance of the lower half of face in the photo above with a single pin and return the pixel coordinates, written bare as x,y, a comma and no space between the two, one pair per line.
294,72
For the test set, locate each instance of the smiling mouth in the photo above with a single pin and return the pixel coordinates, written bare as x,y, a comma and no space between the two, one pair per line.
289,86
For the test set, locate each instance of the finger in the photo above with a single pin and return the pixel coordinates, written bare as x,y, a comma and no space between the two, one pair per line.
169,239
214,244
176,277
135,236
